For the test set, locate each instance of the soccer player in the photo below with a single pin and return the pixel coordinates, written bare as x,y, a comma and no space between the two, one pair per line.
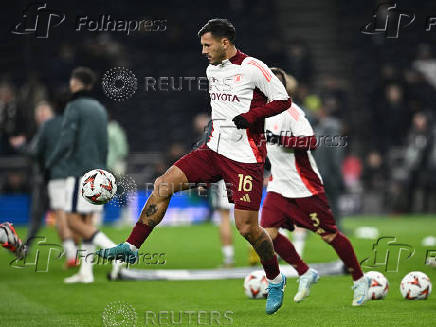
9,240
296,196
45,145
40,149
83,145
243,92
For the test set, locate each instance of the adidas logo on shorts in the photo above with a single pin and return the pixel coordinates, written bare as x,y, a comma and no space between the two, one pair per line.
245,198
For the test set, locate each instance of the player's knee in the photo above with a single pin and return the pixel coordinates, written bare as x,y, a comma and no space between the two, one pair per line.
329,237
245,230
162,188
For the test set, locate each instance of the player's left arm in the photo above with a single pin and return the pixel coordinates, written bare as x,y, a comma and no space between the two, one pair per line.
264,79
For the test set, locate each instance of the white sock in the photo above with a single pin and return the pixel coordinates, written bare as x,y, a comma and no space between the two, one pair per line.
299,239
228,254
276,280
100,239
88,259
70,249
3,236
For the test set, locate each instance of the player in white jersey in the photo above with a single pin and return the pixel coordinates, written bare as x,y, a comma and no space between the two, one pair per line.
243,92
296,196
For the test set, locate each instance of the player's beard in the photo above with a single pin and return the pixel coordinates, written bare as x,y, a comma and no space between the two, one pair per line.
220,56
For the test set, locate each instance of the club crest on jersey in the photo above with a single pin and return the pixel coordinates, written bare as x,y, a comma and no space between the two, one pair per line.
220,85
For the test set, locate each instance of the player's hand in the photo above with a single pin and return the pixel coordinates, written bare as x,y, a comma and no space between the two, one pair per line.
17,141
240,122
272,138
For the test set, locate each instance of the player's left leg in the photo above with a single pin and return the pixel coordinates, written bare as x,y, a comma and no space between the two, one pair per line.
345,252
245,184
247,224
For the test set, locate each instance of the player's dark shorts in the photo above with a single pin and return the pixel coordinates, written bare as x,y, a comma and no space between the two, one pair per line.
244,181
312,212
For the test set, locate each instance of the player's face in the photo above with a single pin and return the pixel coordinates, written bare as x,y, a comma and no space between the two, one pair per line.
213,48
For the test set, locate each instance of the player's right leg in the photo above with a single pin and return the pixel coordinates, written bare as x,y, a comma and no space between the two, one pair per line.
173,180
345,252
319,218
195,167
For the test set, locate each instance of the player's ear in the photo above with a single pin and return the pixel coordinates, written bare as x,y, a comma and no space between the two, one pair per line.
225,42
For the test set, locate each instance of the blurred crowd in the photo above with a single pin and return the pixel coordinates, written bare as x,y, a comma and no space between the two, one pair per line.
402,164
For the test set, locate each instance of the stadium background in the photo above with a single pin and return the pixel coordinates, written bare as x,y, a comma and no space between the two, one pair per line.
373,86
369,87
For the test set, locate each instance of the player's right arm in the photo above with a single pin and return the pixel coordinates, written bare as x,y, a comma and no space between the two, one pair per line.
66,140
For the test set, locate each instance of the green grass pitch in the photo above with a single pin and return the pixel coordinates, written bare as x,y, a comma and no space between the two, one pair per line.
32,298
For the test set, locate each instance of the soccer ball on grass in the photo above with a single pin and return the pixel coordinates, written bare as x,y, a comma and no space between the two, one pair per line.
379,285
415,286
255,285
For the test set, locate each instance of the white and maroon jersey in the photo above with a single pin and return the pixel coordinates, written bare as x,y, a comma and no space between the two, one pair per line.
237,85
294,173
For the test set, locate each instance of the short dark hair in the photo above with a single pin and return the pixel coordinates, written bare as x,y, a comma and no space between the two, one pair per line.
85,75
219,27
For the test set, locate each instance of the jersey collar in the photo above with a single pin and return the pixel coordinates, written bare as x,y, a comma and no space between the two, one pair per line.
236,59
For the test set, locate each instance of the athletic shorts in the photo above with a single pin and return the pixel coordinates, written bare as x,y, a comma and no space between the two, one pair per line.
56,193
218,196
74,201
244,181
312,213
